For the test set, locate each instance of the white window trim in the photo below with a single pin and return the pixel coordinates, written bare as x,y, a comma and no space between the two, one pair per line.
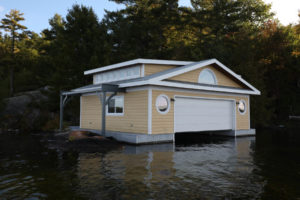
169,104
211,72
242,113
115,114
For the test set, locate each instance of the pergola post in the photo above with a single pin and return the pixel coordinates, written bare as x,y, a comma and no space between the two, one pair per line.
63,101
61,113
101,93
104,102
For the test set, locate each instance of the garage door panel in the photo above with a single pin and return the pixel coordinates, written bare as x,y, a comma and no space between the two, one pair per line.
195,114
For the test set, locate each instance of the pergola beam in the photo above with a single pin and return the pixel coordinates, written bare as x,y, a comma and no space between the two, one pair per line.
101,93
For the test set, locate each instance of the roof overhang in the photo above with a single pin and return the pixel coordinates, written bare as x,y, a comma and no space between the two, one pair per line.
96,88
191,86
161,79
135,62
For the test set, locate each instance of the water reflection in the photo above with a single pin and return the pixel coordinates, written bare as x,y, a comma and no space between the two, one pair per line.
152,171
203,167
134,172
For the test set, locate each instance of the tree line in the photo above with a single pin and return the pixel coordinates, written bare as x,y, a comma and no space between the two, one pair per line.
242,34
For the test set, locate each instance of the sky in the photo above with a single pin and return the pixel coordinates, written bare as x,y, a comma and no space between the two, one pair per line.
38,12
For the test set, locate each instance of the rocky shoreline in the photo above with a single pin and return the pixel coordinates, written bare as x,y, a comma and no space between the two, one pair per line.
80,141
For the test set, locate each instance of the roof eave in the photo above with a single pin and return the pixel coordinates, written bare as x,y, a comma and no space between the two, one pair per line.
135,62
188,86
101,88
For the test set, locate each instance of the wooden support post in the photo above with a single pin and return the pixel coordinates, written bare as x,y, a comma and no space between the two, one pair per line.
61,113
104,102
63,101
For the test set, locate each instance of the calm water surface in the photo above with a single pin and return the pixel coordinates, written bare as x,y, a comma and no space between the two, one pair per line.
263,167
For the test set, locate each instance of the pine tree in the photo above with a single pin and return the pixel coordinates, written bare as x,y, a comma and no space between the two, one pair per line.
11,24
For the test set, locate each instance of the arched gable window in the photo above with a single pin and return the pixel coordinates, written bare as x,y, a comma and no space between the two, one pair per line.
207,76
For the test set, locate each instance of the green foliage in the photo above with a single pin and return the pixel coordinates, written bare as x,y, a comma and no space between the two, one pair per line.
143,29
11,24
78,43
240,33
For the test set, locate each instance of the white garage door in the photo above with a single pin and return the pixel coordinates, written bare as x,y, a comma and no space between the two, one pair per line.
196,114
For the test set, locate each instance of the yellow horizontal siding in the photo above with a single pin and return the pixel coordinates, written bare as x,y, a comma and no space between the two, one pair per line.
164,123
222,78
90,112
134,120
152,69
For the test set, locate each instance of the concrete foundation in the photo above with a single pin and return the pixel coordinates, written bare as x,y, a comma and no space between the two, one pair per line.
235,133
134,138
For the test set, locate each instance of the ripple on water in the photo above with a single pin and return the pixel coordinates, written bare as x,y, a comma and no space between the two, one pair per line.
18,186
225,169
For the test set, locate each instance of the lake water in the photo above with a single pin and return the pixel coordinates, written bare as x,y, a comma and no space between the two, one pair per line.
196,167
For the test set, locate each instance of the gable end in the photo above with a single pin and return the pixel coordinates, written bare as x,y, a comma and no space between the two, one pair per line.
223,78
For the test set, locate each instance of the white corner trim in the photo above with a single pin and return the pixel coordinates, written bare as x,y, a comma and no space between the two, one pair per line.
80,112
249,112
149,111
234,114
137,61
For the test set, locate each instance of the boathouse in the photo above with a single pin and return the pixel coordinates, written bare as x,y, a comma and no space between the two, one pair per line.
146,100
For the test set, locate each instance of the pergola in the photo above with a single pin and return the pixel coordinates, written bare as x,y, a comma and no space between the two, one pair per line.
100,90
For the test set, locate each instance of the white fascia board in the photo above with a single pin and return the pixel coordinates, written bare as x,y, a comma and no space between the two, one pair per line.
84,90
206,88
137,61
165,62
187,86
236,76
203,64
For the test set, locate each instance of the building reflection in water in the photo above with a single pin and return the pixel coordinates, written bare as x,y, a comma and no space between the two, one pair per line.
138,170
134,169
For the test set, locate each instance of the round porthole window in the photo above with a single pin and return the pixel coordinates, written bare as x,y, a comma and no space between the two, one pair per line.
242,106
162,104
